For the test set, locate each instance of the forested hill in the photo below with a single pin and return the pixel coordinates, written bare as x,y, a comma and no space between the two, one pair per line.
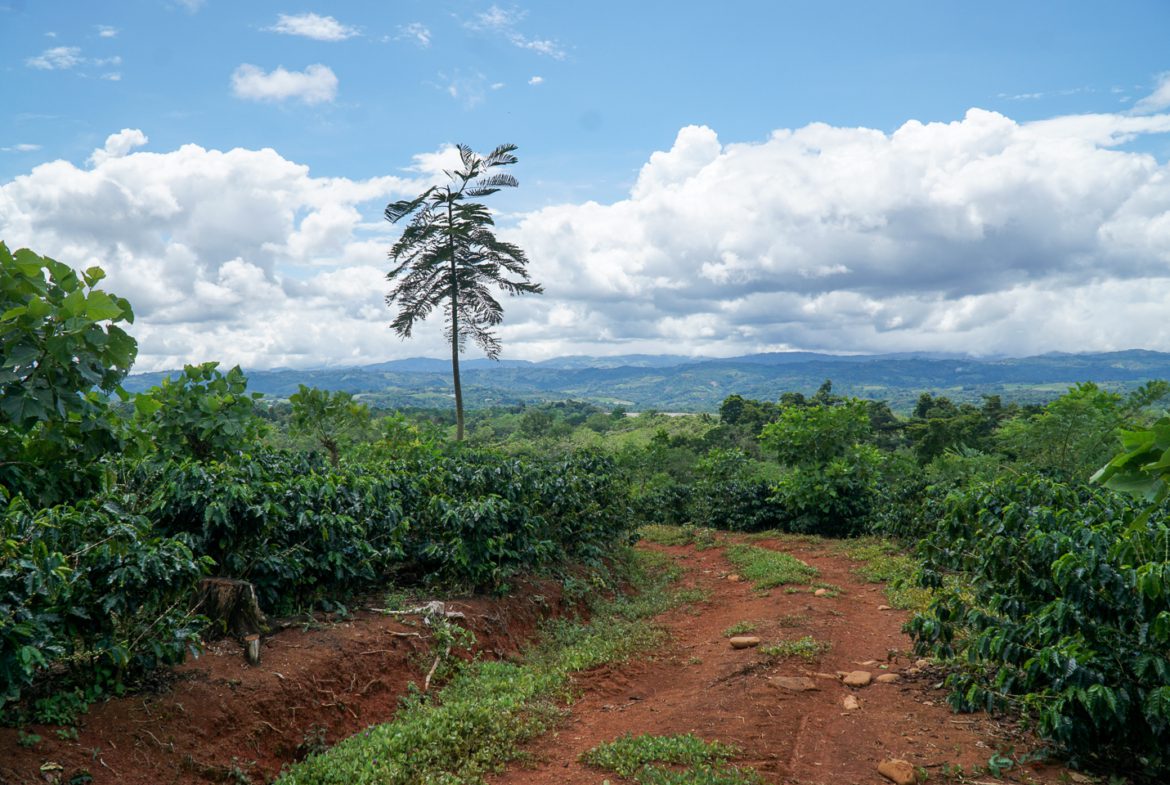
676,383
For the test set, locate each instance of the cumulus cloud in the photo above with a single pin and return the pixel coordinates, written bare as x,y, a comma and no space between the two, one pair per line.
536,80
106,31
319,28
117,145
981,235
316,84
239,255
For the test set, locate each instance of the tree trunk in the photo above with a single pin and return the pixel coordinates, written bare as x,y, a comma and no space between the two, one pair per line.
231,605
455,328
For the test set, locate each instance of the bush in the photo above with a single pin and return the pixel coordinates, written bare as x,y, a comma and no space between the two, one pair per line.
92,593
831,481
729,495
1063,612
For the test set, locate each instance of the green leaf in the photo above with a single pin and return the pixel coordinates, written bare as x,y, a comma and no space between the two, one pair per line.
100,307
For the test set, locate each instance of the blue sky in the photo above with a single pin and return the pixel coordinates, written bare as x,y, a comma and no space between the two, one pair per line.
635,122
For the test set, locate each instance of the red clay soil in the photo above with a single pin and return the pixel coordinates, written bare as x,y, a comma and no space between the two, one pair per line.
221,720
698,684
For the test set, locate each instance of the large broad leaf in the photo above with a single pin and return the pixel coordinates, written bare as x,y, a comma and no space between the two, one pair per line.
100,307
22,409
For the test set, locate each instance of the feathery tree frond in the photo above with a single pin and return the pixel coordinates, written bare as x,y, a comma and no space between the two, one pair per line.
448,255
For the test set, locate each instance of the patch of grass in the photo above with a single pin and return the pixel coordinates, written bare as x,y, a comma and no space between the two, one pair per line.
477,722
701,537
767,568
807,648
627,754
788,538
739,628
636,757
792,620
703,775
883,561
665,535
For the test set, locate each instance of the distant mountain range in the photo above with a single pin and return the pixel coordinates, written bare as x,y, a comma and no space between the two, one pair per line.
677,383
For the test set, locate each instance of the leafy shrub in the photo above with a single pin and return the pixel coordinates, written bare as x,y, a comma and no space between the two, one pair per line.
285,522
1063,612
203,413
90,591
61,353
729,495
831,481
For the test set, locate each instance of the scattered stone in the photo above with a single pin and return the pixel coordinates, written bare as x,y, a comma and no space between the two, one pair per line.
820,592
851,703
734,578
830,676
858,679
884,608
912,671
923,663
744,641
888,678
794,683
898,771
868,663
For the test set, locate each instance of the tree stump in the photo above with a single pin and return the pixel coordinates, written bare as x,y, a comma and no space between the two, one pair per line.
231,605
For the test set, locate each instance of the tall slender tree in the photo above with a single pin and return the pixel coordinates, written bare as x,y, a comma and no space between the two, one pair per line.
449,255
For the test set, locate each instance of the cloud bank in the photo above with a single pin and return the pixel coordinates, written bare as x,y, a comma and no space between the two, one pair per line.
981,235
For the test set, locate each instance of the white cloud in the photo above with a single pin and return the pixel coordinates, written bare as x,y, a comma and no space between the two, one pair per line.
64,58
1157,100
106,31
316,84
982,234
24,147
192,6
417,32
59,58
503,22
536,80
239,255
112,76
117,145
319,28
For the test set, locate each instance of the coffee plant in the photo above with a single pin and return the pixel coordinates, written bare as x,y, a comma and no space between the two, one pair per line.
1062,612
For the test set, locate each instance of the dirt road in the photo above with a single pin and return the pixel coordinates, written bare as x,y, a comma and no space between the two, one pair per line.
699,684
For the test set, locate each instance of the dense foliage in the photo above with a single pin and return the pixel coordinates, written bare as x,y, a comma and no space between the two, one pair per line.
191,481
1051,596
1063,612
62,354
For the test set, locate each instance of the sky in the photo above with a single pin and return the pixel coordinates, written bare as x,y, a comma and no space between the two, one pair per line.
696,178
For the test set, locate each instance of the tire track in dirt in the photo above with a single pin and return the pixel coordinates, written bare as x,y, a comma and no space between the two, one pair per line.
697,684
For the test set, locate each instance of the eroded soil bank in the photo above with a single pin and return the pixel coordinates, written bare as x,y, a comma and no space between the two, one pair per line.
221,720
